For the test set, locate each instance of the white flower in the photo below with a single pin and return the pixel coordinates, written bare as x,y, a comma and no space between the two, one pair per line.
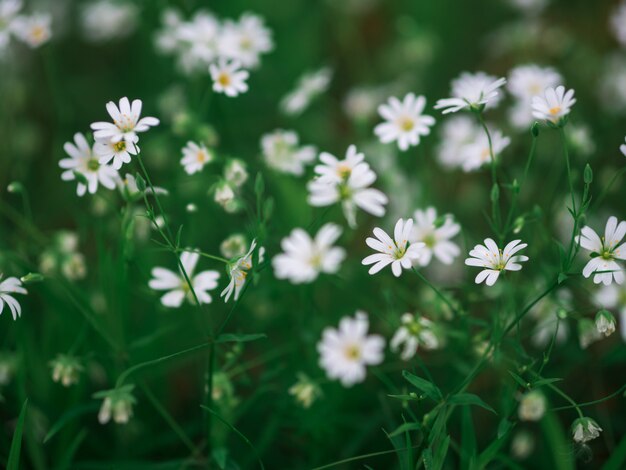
177,286
456,133
117,403
309,86
104,20
34,30
585,429
119,152
198,39
282,152
8,12
436,238
476,154
553,105
9,287
126,122
305,391
494,260
235,172
613,297
622,149
225,196
618,23
195,157
397,251
245,40
405,122
234,246
345,352
65,369
414,333
348,182
605,323
82,160
605,251
228,77
238,271
526,81
532,406
304,258
472,91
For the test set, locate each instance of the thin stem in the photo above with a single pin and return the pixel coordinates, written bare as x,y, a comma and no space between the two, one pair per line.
495,202
440,294
531,155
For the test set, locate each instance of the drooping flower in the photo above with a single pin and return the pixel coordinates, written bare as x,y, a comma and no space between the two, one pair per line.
65,369
404,121
346,352
305,391
176,285
604,252
494,260
281,151
304,258
532,406
415,332
228,77
605,323
435,237
117,403
472,91
553,105
235,172
195,157
83,160
126,123
8,288
238,271
397,252
585,429
347,182
613,297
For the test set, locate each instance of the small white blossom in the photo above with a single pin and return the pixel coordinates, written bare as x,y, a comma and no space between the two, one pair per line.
613,297
622,149
605,323
494,260
532,406
405,122
83,160
305,391
245,40
478,153
472,91
177,286
587,333
585,429
65,369
126,122
309,87
397,252
605,251
196,40
346,352
235,172
120,152
304,258
8,12
456,134
117,403
553,104
195,157
228,77
35,30
525,82
234,246
436,238
281,151
618,23
105,20
238,271
413,334
8,288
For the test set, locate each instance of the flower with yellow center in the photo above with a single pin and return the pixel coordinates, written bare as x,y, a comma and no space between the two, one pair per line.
195,157
228,77
494,261
404,121
554,105
605,251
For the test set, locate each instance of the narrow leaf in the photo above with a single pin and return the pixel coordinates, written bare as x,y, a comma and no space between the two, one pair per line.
13,463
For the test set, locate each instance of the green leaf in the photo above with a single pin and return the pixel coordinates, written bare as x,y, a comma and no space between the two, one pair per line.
404,428
617,460
495,193
588,174
141,183
492,449
13,463
428,388
469,399
69,416
542,382
259,185
468,438
233,338
562,278
518,379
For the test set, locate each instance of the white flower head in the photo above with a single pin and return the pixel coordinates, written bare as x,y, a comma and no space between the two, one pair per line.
238,272
120,152
618,23
126,122
613,297
8,12
526,81
195,157
346,352
532,406
435,237
413,334
457,133
235,172
605,323
35,30
309,87
117,403
405,122
605,251
8,288
245,40
65,369
196,40
305,391
494,260
234,246
176,285
472,91
228,77
585,429
105,20
475,155
622,149
281,151
347,181
83,160
397,252
553,105
304,258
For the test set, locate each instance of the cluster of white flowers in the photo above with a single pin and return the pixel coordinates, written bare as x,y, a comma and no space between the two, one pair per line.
226,191
34,30
106,20
227,49
346,181
63,256
282,151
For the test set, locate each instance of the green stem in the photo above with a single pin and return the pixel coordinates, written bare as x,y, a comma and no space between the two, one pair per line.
495,202
439,294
